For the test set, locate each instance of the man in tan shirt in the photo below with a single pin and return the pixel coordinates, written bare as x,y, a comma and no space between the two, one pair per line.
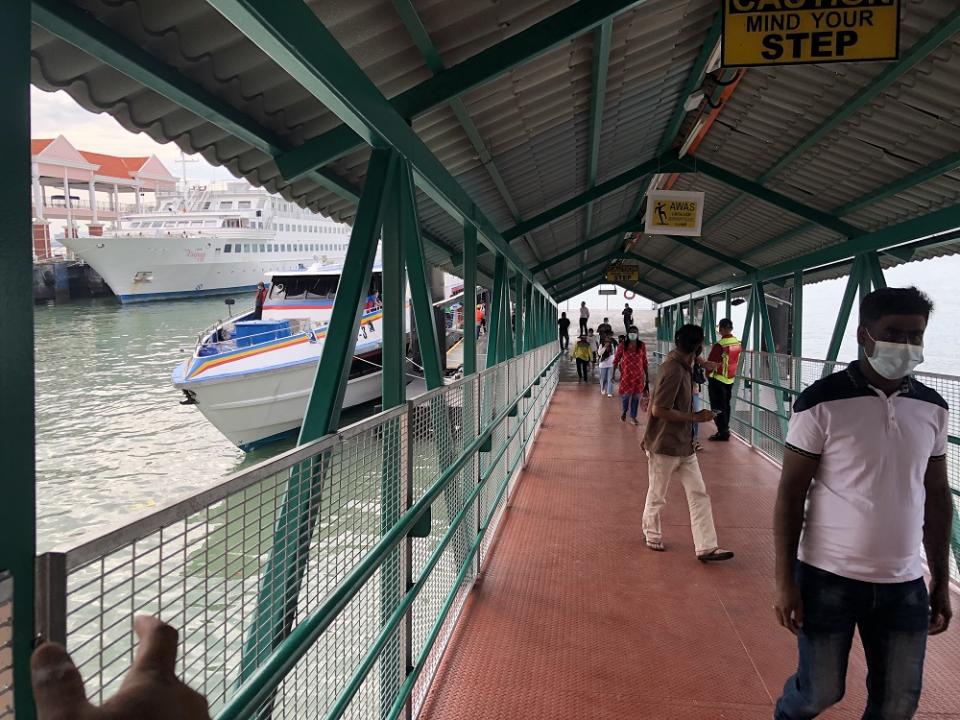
668,442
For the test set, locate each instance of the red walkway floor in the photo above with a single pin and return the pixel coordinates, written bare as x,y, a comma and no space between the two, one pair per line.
574,618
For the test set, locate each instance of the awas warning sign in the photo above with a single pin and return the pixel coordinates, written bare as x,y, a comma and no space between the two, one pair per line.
673,212
785,32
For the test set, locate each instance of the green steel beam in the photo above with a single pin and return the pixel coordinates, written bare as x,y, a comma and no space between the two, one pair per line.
943,32
757,190
873,271
922,175
17,451
529,319
846,305
694,80
583,268
506,331
934,223
906,252
431,56
598,89
710,252
393,295
283,572
520,294
494,325
82,30
772,361
664,269
629,226
667,162
796,345
290,34
539,38
470,299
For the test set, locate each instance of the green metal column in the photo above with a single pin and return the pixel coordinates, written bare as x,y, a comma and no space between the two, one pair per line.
494,323
727,303
518,319
745,346
761,302
796,341
420,298
392,483
18,509
528,320
843,317
875,271
283,572
469,299
772,358
506,333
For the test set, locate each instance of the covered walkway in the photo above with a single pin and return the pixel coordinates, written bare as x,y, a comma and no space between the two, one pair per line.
574,618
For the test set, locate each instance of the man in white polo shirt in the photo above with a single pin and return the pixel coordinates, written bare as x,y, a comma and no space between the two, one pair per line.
864,483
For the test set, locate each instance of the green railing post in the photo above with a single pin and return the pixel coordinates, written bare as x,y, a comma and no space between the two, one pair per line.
283,571
18,509
393,498
796,340
745,346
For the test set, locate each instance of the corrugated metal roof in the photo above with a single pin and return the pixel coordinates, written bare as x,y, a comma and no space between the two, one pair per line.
534,122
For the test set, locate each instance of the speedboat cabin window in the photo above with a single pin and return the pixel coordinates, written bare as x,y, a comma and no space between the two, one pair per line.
246,248
226,248
226,205
243,205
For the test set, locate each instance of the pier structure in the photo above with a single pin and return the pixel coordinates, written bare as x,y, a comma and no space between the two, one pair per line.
476,552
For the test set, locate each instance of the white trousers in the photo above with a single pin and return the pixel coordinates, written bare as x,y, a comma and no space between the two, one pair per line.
662,468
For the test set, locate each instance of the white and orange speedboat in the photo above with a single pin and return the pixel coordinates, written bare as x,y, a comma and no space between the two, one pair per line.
252,377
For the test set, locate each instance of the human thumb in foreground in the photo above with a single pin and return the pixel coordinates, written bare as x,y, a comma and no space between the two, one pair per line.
151,689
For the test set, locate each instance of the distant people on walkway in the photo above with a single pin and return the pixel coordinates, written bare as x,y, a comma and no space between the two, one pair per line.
481,319
726,354
605,356
700,368
631,358
259,300
563,331
604,328
151,688
627,317
583,354
668,442
863,484
584,317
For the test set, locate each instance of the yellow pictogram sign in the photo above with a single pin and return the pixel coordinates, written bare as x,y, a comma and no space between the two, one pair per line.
790,32
673,212
623,274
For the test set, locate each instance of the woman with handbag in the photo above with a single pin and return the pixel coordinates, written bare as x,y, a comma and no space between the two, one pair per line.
631,358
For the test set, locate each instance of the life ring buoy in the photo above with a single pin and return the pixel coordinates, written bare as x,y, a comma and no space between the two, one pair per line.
629,294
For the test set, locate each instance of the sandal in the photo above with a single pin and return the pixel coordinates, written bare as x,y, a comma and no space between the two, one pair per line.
715,555
656,545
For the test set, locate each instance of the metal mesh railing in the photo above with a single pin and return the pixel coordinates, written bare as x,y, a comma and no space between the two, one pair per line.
272,551
767,385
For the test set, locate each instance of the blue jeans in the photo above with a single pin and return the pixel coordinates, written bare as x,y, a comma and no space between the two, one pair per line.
892,620
606,380
632,402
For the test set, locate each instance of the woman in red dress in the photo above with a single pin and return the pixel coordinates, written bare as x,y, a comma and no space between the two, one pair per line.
631,358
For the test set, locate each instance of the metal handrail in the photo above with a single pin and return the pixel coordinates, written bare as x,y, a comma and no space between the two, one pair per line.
82,551
264,681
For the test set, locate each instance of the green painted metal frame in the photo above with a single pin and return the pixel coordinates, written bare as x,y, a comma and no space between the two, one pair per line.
630,226
874,271
710,252
17,451
767,332
470,293
664,269
850,294
598,89
494,324
939,221
745,346
796,344
283,573
517,318
539,38
290,34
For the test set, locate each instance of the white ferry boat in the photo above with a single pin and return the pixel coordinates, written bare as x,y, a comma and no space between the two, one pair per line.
252,377
209,242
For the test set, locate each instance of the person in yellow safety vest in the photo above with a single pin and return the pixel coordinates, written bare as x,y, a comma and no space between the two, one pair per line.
726,354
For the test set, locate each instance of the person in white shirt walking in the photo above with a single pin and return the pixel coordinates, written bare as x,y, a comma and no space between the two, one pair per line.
584,317
605,356
863,485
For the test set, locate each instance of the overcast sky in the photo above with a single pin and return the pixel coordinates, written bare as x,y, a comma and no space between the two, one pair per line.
56,113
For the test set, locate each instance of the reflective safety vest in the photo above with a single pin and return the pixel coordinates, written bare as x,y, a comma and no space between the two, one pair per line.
727,353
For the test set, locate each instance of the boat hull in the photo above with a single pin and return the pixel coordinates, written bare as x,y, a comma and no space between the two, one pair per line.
145,269
258,408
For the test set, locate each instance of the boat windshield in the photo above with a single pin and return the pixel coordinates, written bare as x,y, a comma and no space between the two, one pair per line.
317,287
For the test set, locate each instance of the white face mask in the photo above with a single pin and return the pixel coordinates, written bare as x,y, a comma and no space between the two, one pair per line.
894,360
632,336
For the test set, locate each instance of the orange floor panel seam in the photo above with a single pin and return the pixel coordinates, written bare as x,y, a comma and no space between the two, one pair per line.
574,618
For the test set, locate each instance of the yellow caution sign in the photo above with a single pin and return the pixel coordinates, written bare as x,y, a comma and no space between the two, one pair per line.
791,32
623,274
673,212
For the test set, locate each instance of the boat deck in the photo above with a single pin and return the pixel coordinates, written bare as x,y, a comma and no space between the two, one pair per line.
575,618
